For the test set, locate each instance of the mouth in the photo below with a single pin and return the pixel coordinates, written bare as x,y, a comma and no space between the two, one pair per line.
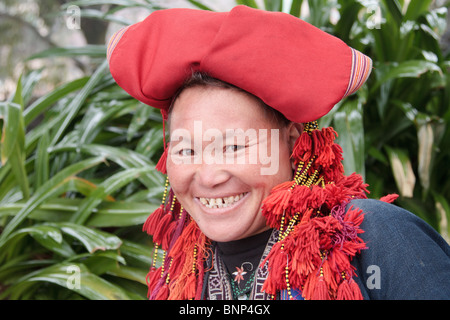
225,202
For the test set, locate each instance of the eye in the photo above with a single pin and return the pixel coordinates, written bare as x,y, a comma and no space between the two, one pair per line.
186,152
233,148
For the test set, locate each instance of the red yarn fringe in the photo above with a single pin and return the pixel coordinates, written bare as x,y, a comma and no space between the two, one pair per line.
163,293
183,268
152,278
349,290
320,247
390,198
161,165
320,291
187,257
153,220
320,236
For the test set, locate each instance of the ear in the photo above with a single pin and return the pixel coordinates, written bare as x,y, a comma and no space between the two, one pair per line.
294,131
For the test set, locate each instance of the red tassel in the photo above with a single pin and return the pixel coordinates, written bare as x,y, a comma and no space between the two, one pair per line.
275,204
390,198
302,148
356,291
349,290
153,220
168,235
329,276
161,165
152,278
321,290
344,291
308,287
161,228
201,269
276,263
163,293
190,286
185,238
177,264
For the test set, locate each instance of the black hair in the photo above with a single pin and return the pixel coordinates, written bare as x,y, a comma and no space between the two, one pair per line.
199,79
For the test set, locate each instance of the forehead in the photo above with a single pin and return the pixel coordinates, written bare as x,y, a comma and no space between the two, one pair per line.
218,107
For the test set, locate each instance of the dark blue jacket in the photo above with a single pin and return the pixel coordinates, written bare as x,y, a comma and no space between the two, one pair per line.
406,258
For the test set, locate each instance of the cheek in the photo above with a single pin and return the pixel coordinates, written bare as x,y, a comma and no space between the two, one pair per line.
282,162
179,177
286,164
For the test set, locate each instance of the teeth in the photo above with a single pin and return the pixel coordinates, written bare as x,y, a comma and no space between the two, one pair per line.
215,203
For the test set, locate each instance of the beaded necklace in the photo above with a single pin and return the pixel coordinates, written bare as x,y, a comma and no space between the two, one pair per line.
241,259
242,293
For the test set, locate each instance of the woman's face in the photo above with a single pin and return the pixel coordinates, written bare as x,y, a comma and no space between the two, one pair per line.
224,158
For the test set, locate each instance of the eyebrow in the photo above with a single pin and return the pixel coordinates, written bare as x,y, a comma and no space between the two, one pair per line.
226,134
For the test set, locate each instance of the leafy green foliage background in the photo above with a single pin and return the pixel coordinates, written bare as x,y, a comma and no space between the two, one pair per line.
77,177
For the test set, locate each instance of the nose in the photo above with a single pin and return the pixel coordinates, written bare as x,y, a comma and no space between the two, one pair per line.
211,175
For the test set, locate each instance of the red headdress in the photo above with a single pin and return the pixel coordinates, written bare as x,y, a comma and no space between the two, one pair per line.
293,67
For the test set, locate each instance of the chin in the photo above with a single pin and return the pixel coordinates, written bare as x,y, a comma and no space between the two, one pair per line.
222,235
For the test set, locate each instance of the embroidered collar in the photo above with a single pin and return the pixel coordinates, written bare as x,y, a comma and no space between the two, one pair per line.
218,285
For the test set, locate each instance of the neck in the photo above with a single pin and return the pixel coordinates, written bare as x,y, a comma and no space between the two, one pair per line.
248,250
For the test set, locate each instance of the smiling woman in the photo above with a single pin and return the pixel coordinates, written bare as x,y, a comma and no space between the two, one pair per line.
236,222
240,180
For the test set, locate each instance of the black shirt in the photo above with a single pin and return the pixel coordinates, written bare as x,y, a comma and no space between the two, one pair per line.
241,259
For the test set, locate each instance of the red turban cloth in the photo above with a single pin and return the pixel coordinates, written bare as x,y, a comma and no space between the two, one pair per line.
291,65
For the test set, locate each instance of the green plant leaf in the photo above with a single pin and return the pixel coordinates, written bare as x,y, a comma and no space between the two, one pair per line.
11,113
417,8
105,189
425,154
151,142
200,5
15,267
407,69
46,191
348,122
74,107
140,117
12,141
78,278
273,5
296,8
28,83
394,10
124,3
402,170
42,103
88,50
92,239
248,3
42,161
130,273
141,253
48,236
107,214
443,209
126,158
98,14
